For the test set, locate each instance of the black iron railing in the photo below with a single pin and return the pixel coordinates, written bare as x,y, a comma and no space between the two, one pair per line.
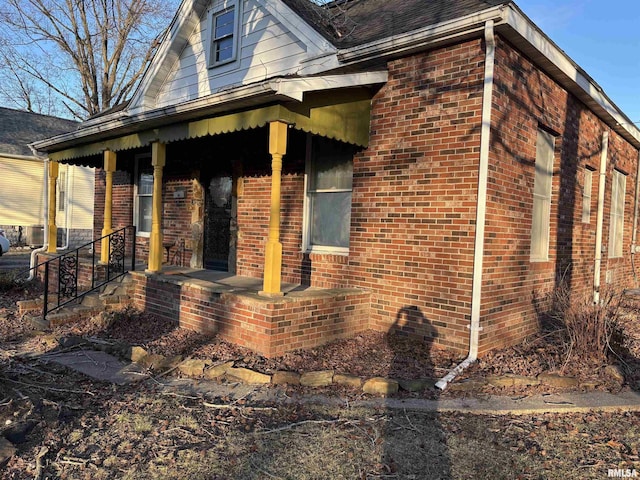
71,276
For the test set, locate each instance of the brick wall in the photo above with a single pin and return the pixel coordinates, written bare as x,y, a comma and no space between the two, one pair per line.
178,196
525,99
414,196
254,199
122,206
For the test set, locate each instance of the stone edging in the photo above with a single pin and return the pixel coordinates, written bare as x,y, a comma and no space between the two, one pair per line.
200,368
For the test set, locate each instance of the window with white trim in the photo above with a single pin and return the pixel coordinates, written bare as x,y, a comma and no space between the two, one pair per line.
143,194
224,33
587,187
542,196
62,191
616,221
329,182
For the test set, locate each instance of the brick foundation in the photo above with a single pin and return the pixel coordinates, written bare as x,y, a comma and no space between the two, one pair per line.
270,326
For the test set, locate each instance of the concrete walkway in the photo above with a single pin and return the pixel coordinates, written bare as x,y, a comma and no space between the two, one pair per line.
105,367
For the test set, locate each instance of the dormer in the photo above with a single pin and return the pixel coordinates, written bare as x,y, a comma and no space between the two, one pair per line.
221,44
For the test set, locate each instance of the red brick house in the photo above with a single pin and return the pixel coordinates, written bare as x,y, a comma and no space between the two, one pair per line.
433,167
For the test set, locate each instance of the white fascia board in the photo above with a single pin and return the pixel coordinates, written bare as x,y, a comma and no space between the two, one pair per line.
298,27
421,38
10,156
524,27
295,88
122,123
322,53
184,22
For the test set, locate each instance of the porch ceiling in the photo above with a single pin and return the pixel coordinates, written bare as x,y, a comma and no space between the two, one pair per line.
342,115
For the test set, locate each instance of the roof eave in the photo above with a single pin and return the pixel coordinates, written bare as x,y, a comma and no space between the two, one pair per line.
528,38
516,27
123,123
270,91
423,38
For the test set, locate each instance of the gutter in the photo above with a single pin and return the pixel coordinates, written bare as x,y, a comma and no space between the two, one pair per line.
481,210
600,217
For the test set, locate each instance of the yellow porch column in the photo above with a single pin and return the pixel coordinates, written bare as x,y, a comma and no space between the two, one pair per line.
52,240
273,250
158,158
107,228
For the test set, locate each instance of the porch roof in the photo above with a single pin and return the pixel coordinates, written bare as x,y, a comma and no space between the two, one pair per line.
337,107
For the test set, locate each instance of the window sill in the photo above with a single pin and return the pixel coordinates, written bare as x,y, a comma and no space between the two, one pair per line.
328,251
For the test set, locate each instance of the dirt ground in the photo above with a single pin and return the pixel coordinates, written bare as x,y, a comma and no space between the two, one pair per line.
65,425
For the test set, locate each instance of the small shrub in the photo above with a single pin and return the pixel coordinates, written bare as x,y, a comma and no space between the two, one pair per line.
8,281
589,329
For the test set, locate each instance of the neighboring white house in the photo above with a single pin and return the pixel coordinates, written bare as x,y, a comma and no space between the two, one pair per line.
22,200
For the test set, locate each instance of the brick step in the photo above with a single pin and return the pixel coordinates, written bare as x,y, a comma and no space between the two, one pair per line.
115,294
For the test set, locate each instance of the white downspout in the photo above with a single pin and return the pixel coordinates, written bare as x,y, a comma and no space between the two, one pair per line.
481,211
600,217
45,246
634,236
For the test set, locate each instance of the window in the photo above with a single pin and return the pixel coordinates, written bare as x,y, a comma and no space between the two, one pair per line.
223,34
62,191
542,196
587,187
329,186
143,194
616,227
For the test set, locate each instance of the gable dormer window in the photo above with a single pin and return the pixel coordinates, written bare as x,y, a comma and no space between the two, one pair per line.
224,32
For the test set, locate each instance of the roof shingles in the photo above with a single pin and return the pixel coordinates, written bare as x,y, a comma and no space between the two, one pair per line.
19,128
347,23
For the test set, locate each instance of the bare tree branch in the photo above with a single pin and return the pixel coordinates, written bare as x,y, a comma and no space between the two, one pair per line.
87,54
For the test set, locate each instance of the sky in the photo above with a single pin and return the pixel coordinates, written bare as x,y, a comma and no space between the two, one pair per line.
603,37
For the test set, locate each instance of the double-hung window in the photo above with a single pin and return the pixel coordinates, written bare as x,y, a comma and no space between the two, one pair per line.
616,227
542,196
224,32
329,187
143,195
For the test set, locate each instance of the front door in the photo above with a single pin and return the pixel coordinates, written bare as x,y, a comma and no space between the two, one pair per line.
217,229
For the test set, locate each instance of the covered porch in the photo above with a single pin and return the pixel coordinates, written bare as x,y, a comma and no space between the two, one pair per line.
229,191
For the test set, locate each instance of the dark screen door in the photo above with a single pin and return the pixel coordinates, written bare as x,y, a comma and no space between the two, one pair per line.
217,223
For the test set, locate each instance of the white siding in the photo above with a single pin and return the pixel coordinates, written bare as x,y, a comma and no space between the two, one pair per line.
80,193
267,48
21,201
21,194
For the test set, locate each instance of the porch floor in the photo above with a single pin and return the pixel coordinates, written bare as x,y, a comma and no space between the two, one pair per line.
225,282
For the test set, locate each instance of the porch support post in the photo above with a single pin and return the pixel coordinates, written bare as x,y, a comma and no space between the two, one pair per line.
52,240
107,228
273,250
158,159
